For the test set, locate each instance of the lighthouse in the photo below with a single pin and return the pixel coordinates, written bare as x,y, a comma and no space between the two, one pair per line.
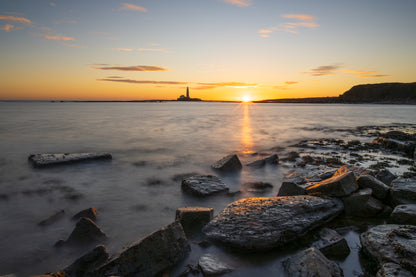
187,93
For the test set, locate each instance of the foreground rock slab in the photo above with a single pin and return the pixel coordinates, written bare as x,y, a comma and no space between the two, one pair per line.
267,222
311,262
338,185
229,163
150,256
403,191
64,158
212,266
204,185
391,243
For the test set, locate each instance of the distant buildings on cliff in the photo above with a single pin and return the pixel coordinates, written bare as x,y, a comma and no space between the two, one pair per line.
187,98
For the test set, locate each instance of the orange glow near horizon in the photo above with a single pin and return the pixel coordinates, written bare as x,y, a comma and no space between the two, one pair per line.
246,139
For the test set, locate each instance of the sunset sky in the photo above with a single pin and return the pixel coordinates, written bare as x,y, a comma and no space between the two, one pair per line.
221,49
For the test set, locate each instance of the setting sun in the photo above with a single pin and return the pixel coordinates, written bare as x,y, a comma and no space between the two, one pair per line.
246,98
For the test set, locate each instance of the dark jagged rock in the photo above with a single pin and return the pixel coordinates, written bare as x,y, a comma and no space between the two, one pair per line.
150,256
407,148
273,159
362,204
321,176
393,270
404,214
63,158
212,266
268,222
386,176
87,263
258,187
293,184
311,262
204,185
403,191
380,189
90,213
229,163
399,135
332,244
338,185
257,163
358,171
391,243
86,231
193,218
52,219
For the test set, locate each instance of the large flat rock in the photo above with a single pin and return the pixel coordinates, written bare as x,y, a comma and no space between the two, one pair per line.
64,158
268,222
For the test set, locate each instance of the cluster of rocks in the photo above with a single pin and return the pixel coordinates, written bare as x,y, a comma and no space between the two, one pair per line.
41,160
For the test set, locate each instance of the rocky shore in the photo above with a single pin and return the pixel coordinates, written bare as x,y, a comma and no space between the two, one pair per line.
345,186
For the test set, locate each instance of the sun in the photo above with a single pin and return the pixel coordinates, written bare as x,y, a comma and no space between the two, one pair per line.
246,98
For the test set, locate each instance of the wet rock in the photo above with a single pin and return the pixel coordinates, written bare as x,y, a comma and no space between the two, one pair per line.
396,145
332,244
399,135
311,262
393,270
380,189
229,163
258,187
86,231
385,176
54,159
87,263
52,219
391,243
204,185
212,266
90,213
269,222
321,176
362,204
403,191
273,159
404,214
149,256
257,163
386,212
193,218
291,156
358,171
293,184
339,185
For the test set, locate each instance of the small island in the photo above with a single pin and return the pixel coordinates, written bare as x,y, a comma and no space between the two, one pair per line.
187,97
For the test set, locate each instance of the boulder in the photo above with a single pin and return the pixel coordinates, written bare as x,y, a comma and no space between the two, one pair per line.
404,214
385,176
380,189
311,262
229,163
52,219
257,163
90,213
204,185
87,263
391,243
362,204
358,171
192,218
338,185
86,231
403,191
150,256
332,244
212,266
258,187
268,222
64,158
293,184
321,176
396,145
393,270
273,159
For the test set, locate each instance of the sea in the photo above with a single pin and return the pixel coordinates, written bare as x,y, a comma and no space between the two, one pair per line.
153,146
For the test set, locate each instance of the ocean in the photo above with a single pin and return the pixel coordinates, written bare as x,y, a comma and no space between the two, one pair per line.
152,145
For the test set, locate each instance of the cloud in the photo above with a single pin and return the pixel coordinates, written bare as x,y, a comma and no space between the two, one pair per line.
291,83
323,70
375,76
240,3
121,49
133,68
132,7
16,19
302,17
7,27
73,45
55,37
65,22
303,20
328,70
52,4
143,82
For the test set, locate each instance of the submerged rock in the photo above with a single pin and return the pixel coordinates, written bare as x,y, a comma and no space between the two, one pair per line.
311,262
338,185
52,219
229,163
393,270
403,191
87,263
380,189
404,214
212,266
258,187
257,163
267,222
332,244
150,256
90,213
391,243
86,231
204,185
273,159
54,159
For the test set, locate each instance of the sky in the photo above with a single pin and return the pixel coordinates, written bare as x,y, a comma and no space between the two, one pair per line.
221,49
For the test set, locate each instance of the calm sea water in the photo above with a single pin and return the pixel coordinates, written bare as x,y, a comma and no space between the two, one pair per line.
151,143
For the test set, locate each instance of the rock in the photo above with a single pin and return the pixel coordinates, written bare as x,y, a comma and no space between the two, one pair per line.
229,163
204,185
403,191
212,266
293,184
385,176
332,244
393,270
311,262
321,176
192,218
380,189
87,263
391,243
404,214
258,187
52,219
339,185
273,159
399,135
86,231
54,159
358,171
396,145
268,222
257,163
151,255
361,204
90,213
